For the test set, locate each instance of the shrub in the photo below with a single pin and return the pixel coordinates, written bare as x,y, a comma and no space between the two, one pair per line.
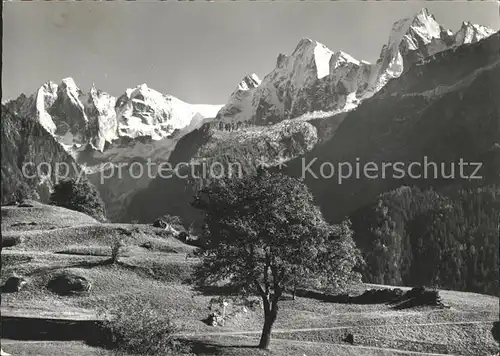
79,195
135,325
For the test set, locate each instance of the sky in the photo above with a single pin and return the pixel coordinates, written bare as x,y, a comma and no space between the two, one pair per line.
196,51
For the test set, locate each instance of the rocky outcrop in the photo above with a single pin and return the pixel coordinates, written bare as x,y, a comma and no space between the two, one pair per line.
212,154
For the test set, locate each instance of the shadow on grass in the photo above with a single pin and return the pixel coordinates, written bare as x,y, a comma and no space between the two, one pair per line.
82,264
217,290
198,347
341,298
20,328
10,241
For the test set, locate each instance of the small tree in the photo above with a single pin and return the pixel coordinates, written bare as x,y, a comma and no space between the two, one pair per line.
262,232
79,195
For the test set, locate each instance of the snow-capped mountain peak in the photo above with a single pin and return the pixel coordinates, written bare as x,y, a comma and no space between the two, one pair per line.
425,26
68,90
77,119
307,52
304,42
143,111
469,33
70,84
284,92
411,33
414,38
141,89
314,78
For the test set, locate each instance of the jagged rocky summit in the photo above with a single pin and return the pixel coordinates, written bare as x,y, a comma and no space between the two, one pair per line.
315,79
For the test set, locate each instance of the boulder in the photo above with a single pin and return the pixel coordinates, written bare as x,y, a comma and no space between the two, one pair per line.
415,292
14,284
68,283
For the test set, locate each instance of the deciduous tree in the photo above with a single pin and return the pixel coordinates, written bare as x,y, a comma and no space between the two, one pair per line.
262,232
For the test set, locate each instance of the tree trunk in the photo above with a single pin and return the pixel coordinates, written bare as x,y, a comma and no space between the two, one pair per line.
270,314
294,291
265,338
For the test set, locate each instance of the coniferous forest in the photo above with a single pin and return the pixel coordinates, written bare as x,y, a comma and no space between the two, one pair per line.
447,239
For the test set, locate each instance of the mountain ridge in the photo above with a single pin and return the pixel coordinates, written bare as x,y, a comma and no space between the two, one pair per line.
97,118
292,88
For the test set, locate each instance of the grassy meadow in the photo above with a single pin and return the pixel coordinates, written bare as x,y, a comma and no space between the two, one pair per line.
44,241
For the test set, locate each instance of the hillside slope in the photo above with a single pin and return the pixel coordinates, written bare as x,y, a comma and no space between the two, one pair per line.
41,216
